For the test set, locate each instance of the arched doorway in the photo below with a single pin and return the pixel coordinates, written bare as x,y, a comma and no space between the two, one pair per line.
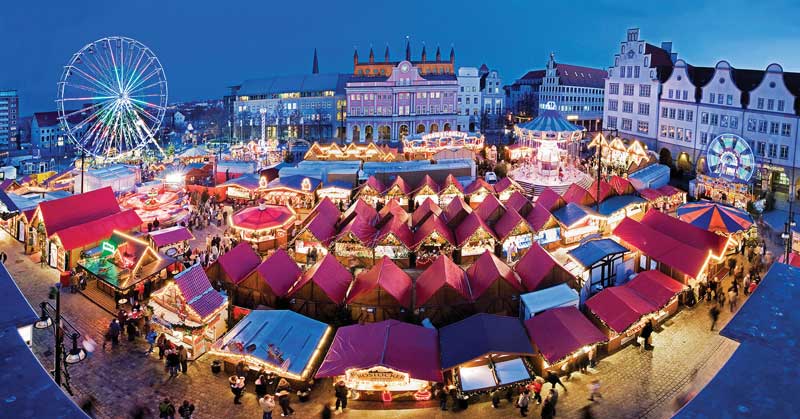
471,127
384,132
421,129
665,157
684,162
434,127
701,166
447,127
368,132
356,134
403,132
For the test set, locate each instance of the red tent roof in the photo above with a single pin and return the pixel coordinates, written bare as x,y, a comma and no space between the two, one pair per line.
360,228
534,266
374,184
263,217
669,190
427,181
400,185
443,272
505,183
687,233
323,229
455,207
78,209
507,223
606,190
386,275
538,217
421,213
488,207
550,200
198,292
327,209
280,272
488,269
97,229
477,185
239,262
560,332
661,247
171,235
451,180
469,226
394,210
359,208
399,229
433,224
619,307
328,274
655,287
400,346
621,185
577,195
518,201
650,194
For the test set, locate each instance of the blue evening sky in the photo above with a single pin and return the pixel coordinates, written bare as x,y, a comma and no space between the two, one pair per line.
207,45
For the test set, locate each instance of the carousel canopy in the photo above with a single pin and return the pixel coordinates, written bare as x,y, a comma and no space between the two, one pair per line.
550,121
392,344
280,272
198,292
263,217
172,235
328,274
488,269
715,217
559,332
239,262
443,272
482,334
386,275
535,266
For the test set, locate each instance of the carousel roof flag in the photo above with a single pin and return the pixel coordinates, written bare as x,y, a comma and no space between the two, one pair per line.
715,217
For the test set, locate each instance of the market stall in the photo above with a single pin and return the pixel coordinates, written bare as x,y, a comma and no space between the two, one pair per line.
423,211
267,226
490,210
243,188
561,336
505,187
450,189
519,203
597,264
392,211
189,312
432,238
172,241
427,189
534,303
314,239
296,192
715,217
321,290
285,343
338,192
456,211
371,191
229,169
276,276
720,189
354,244
394,361
537,270
514,234
399,190
485,352
237,270
495,287
381,293
395,241
576,222
473,238
477,191
442,292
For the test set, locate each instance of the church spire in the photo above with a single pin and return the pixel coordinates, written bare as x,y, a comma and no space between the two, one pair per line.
355,57
452,55
386,54
408,49
438,54
315,66
424,54
371,56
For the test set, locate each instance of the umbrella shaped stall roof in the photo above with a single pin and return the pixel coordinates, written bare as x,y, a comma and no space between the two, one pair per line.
655,287
239,262
715,217
263,217
559,332
443,272
330,276
399,346
286,341
619,307
482,334
488,269
198,292
386,275
280,272
534,266
690,234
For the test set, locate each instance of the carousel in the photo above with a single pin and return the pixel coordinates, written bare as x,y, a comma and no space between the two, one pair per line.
553,147
266,226
424,146
157,203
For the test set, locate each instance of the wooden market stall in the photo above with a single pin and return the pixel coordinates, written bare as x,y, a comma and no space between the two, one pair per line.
432,238
456,211
442,292
477,191
428,189
371,191
354,244
519,203
321,290
276,276
237,271
172,241
561,336
316,233
399,190
490,210
450,189
514,235
547,228
423,211
473,238
297,192
537,270
381,293
506,187
395,241
495,286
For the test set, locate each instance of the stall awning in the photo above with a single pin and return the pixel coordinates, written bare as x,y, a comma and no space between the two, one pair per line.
98,229
559,332
694,236
280,272
400,346
482,334
239,262
172,235
674,252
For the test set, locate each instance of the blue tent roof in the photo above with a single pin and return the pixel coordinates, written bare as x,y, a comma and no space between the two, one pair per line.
479,335
295,336
616,203
294,182
572,213
550,121
547,298
767,326
247,181
589,253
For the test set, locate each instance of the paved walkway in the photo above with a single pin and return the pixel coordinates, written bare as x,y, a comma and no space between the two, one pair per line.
635,383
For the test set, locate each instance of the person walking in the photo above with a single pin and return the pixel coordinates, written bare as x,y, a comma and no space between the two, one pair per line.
161,344
237,388
594,390
186,410
341,395
114,331
646,334
553,379
151,340
267,403
522,403
714,313
166,409
732,297
537,389
442,396
284,402
173,362
746,285
183,356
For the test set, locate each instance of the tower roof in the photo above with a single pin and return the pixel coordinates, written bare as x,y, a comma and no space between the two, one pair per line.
315,65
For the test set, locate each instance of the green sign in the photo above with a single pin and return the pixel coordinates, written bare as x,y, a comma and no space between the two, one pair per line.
109,247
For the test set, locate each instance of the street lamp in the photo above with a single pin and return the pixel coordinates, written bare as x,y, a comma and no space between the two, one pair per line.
51,317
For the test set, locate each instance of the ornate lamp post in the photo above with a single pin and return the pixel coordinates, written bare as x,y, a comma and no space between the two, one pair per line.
51,317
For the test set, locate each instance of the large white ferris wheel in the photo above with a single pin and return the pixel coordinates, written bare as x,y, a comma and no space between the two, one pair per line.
112,97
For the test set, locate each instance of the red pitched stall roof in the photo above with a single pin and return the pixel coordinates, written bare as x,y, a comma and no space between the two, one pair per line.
488,269
399,346
490,209
619,307
443,272
661,247
399,229
323,229
621,185
477,185
374,184
687,233
239,262
650,194
400,185
78,209
506,183
562,331
425,210
451,180
539,217
655,287
429,182
577,195
394,210
328,274
606,190
534,266
325,208
386,275
172,235
280,272
456,210
507,223
669,190
433,224
98,229
359,228
469,226
550,200
519,202
198,292
359,208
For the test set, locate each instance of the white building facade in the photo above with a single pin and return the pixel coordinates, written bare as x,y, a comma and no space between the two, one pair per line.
577,92
492,99
469,99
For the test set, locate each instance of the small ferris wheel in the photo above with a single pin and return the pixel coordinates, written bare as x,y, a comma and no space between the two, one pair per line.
729,156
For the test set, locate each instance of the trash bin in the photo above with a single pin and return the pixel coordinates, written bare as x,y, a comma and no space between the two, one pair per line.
65,279
216,366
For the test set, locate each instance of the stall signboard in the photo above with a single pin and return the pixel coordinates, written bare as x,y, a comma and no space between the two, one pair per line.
108,247
238,193
479,248
548,236
393,252
352,250
522,241
378,375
